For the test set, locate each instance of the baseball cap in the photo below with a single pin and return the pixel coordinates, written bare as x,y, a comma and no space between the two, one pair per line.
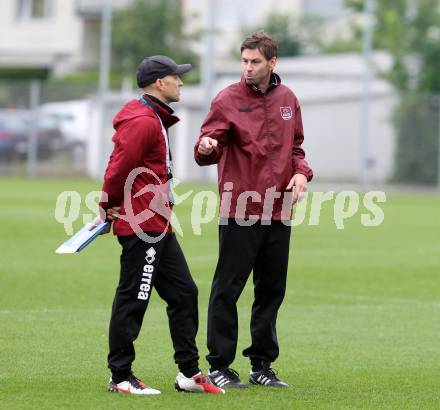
154,67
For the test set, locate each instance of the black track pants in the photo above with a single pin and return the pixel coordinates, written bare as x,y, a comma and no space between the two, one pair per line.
265,250
143,265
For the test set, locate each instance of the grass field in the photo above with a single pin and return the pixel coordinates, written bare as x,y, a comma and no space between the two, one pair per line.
359,328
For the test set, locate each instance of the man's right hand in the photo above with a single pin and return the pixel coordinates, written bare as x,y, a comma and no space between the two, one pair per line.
207,145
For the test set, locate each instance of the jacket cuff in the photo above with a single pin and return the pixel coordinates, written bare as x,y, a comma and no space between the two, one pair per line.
205,159
306,171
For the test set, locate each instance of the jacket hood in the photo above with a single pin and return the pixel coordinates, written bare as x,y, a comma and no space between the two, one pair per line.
135,108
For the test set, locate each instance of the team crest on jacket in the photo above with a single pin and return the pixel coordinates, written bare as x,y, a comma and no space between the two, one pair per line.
286,113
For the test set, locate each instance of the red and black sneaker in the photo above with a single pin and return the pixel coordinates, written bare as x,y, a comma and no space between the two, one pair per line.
132,385
196,384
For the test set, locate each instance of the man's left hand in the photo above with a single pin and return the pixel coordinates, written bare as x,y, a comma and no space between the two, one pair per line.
299,181
110,216
113,213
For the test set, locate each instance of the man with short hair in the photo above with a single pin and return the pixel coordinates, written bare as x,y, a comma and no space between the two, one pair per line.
137,198
254,133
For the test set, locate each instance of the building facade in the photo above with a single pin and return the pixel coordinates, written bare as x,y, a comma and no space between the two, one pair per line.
63,35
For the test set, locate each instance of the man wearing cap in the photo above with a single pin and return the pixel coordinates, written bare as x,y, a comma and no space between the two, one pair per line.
138,200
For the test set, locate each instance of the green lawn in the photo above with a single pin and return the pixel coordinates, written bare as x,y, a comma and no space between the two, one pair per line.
359,328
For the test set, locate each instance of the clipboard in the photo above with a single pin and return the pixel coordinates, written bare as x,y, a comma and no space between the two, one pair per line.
82,238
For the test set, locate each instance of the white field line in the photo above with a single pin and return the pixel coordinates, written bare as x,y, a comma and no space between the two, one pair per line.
66,311
362,298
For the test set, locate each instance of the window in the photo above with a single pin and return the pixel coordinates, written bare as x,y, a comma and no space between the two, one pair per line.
34,9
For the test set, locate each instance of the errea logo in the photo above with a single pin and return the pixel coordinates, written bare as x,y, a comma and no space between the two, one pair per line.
147,275
286,113
150,255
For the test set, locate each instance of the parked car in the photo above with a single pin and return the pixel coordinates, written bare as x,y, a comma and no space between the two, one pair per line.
50,138
17,125
12,130
74,120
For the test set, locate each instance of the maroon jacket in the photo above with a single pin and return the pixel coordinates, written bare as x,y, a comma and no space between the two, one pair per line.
139,142
259,145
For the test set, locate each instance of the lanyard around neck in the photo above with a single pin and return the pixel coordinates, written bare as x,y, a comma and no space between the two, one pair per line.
168,159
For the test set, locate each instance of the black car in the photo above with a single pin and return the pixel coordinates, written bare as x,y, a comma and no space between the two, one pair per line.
12,130
15,130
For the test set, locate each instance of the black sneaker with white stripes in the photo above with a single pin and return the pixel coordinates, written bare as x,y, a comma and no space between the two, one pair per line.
266,377
226,379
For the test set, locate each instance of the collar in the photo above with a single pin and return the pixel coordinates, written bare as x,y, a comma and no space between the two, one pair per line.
165,112
274,81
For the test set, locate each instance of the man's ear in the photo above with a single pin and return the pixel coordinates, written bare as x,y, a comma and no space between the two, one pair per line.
159,84
272,63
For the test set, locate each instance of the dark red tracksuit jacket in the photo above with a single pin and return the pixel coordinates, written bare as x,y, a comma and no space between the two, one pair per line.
139,142
259,145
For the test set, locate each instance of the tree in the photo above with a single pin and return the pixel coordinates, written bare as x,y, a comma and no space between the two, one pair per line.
281,27
410,31
295,36
149,28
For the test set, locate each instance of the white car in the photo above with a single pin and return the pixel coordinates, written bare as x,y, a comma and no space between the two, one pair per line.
73,118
